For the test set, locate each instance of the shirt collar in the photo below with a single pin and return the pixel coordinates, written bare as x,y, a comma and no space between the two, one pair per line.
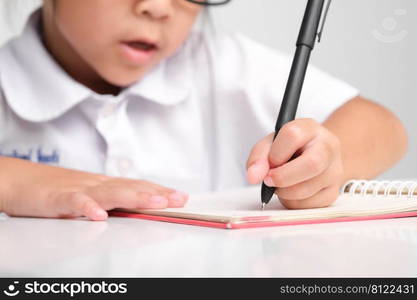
38,90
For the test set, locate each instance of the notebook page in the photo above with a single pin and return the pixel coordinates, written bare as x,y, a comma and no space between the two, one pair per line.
245,203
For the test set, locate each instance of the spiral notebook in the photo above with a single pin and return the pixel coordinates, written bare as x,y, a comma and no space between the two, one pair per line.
358,200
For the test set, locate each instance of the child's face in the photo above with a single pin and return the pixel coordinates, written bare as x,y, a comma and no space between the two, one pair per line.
122,39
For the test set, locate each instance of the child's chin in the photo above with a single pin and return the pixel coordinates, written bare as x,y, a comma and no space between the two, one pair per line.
124,77
122,81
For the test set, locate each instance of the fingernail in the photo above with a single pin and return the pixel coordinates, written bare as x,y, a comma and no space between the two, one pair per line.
157,199
178,196
269,182
102,214
253,166
185,195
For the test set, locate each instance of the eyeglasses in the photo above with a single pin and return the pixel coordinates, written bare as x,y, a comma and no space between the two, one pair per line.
209,2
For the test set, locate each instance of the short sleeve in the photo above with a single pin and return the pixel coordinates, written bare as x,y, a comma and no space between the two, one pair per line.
2,115
2,109
322,94
263,74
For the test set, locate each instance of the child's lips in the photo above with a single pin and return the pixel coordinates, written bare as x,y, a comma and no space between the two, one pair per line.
138,52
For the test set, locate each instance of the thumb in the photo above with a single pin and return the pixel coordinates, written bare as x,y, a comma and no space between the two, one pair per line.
258,163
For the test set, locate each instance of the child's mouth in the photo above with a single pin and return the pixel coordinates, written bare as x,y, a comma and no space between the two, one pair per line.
141,46
138,52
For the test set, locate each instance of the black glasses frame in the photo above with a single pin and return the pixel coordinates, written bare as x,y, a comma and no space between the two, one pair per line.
209,3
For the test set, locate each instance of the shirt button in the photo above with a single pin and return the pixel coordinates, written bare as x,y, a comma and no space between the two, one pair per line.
125,164
108,110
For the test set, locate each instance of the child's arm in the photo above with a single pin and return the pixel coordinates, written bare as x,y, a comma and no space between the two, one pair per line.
360,140
372,138
30,189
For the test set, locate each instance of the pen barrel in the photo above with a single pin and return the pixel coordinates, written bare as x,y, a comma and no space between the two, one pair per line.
311,22
294,87
305,44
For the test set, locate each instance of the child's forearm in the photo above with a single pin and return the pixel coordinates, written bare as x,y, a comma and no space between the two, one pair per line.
372,138
38,190
1,196
6,173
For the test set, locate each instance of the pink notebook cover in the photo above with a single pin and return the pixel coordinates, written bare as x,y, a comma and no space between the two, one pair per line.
258,221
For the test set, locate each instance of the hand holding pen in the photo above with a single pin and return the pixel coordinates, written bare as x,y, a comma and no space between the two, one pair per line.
302,158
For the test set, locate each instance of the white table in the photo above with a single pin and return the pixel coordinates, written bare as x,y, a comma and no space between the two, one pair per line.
139,248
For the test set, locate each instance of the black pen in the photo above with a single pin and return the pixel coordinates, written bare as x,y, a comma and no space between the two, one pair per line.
305,44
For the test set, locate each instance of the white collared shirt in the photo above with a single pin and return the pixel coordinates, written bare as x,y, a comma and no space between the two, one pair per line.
189,124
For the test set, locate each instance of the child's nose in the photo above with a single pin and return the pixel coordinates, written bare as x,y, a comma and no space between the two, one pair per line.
157,9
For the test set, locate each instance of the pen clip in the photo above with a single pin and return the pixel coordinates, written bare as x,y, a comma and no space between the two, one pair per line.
323,20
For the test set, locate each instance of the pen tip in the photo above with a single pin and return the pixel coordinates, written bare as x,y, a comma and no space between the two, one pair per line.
263,206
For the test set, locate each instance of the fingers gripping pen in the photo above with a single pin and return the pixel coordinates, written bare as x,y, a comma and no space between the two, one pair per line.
316,10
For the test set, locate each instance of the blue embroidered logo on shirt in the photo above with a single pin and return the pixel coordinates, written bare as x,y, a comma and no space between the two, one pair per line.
40,156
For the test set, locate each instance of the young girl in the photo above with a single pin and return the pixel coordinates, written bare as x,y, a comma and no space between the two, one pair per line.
125,104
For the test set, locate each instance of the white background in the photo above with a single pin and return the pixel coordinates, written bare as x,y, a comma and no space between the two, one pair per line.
355,47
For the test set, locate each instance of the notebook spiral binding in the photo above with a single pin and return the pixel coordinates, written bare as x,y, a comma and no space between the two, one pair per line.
380,188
